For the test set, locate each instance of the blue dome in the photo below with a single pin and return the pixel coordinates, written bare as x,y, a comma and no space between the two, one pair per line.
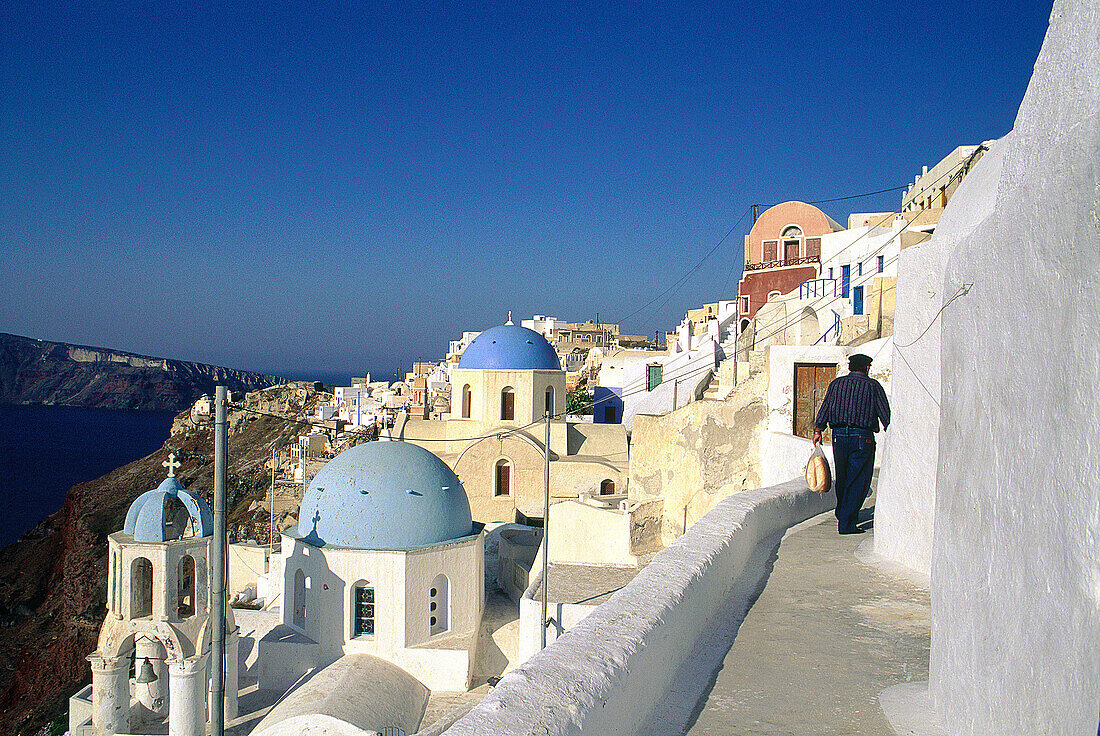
161,515
510,348
384,495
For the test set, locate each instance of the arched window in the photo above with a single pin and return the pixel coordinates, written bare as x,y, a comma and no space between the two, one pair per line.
362,610
502,482
466,401
141,588
744,325
607,488
112,583
793,231
439,609
508,403
549,399
300,599
186,587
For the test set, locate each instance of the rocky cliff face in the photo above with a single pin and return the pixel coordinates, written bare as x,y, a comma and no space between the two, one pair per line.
53,580
40,372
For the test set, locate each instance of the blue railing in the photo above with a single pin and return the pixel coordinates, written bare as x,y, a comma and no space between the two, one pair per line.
815,288
834,330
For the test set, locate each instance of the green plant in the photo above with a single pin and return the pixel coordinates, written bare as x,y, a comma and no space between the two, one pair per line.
578,402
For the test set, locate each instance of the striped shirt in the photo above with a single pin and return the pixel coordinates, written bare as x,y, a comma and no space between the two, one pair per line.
854,400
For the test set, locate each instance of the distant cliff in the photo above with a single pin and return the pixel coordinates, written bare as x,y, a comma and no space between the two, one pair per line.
53,580
40,372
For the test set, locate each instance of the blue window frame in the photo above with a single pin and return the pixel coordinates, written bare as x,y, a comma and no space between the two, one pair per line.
859,268
845,281
881,263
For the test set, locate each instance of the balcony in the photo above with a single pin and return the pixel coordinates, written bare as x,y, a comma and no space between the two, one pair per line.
780,264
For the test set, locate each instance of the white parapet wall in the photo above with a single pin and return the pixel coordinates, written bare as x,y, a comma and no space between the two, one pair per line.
604,676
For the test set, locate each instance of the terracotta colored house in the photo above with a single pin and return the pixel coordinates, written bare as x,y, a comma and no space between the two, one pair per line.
782,250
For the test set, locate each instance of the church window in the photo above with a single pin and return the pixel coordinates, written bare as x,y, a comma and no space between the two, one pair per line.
466,401
364,611
508,403
792,231
549,399
439,605
300,599
186,587
141,588
502,485
607,488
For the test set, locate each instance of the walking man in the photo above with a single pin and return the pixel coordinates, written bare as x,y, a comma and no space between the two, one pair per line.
854,405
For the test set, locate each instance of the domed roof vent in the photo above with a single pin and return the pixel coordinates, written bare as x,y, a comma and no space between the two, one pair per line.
510,348
168,512
384,495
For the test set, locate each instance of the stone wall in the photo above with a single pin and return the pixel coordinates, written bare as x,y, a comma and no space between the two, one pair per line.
697,455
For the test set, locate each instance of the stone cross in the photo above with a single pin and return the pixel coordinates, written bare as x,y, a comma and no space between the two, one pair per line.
171,463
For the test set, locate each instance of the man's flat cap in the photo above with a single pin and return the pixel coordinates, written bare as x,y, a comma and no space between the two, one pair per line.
859,361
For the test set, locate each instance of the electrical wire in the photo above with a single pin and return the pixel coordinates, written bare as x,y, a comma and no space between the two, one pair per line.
949,173
963,291
695,268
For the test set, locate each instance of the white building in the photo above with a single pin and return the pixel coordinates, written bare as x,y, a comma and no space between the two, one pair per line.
674,380
157,623
857,270
386,561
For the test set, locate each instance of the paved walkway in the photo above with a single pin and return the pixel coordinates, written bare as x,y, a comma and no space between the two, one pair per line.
813,653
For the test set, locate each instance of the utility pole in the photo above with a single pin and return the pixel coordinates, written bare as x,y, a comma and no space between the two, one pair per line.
546,531
271,509
217,576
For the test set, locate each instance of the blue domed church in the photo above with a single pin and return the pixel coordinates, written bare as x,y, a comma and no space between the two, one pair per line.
506,383
385,560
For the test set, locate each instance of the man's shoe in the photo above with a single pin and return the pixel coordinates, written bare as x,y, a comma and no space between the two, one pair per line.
856,530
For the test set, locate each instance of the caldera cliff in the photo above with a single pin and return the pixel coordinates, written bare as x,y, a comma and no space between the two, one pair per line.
53,580
42,372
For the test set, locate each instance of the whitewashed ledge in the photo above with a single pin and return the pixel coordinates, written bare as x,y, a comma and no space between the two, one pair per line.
604,676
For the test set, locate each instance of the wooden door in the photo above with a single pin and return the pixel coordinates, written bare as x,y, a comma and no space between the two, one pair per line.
810,382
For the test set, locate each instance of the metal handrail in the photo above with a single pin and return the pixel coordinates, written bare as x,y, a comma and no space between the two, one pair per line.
779,264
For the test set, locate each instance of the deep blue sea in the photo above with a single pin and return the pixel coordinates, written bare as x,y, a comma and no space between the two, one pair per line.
44,450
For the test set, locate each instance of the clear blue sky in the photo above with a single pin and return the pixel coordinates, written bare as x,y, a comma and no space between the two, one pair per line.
330,191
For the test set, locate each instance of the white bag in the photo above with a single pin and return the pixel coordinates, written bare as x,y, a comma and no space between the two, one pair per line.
819,479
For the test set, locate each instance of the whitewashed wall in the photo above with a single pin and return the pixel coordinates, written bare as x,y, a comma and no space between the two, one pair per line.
905,507
1015,544
1016,555
606,674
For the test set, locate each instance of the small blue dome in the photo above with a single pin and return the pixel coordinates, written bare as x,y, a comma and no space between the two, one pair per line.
384,495
510,348
161,515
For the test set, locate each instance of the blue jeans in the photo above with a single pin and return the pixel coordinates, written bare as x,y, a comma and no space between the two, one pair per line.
854,458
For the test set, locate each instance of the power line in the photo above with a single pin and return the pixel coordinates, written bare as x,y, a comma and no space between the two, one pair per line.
695,268
949,173
850,196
